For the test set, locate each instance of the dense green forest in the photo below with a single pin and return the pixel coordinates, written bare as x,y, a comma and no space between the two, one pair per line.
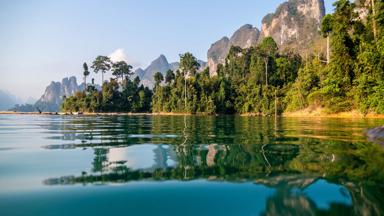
262,79
124,95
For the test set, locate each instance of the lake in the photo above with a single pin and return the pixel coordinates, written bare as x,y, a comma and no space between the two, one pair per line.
188,165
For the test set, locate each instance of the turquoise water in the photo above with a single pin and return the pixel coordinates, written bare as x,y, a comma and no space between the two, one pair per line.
188,165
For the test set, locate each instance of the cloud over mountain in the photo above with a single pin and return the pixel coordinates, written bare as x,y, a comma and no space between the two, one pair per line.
120,55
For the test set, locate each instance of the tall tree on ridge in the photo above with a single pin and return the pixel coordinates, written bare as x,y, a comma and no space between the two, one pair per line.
268,48
374,19
326,29
189,67
169,76
121,69
158,77
102,64
85,73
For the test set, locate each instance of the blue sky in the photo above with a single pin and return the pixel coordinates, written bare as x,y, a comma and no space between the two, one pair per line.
45,40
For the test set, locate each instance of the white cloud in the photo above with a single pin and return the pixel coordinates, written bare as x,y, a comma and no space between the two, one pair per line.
120,55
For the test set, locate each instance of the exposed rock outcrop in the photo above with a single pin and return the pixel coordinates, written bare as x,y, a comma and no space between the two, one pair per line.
244,37
217,53
295,23
52,98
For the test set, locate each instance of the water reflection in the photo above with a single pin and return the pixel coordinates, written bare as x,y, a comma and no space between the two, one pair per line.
312,167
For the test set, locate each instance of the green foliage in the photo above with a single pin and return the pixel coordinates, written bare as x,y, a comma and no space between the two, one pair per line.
102,64
326,25
169,76
239,86
115,96
121,69
188,64
353,79
261,79
158,78
302,92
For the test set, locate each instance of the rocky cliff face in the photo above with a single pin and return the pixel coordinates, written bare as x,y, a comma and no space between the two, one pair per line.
244,37
160,64
217,53
52,98
295,23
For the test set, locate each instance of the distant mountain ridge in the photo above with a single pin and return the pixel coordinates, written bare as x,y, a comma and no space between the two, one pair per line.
54,93
161,65
7,100
53,96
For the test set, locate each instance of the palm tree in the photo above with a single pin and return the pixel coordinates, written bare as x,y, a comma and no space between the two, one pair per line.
189,67
326,29
102,64
85,73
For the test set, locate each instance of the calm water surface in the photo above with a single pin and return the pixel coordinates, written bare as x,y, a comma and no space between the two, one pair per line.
176,165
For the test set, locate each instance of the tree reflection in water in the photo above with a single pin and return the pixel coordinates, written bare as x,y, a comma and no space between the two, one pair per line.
290,156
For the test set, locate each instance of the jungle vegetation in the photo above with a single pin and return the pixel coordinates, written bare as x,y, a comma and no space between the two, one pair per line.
263,79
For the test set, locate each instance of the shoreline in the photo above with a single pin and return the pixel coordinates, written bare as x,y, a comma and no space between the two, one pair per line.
94,114
321,113
297,114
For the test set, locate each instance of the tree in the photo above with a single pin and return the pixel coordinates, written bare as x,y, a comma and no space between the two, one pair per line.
85,73
374,19
102,64
189,67
380,18
121,69
341,73
158,77
268,48
169,76
326,29
136,81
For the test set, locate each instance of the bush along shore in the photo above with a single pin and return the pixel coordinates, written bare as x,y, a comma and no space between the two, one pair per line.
260,80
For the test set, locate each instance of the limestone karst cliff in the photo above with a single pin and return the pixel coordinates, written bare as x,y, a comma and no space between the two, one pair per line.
244,37
294,25
296,22
52,98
